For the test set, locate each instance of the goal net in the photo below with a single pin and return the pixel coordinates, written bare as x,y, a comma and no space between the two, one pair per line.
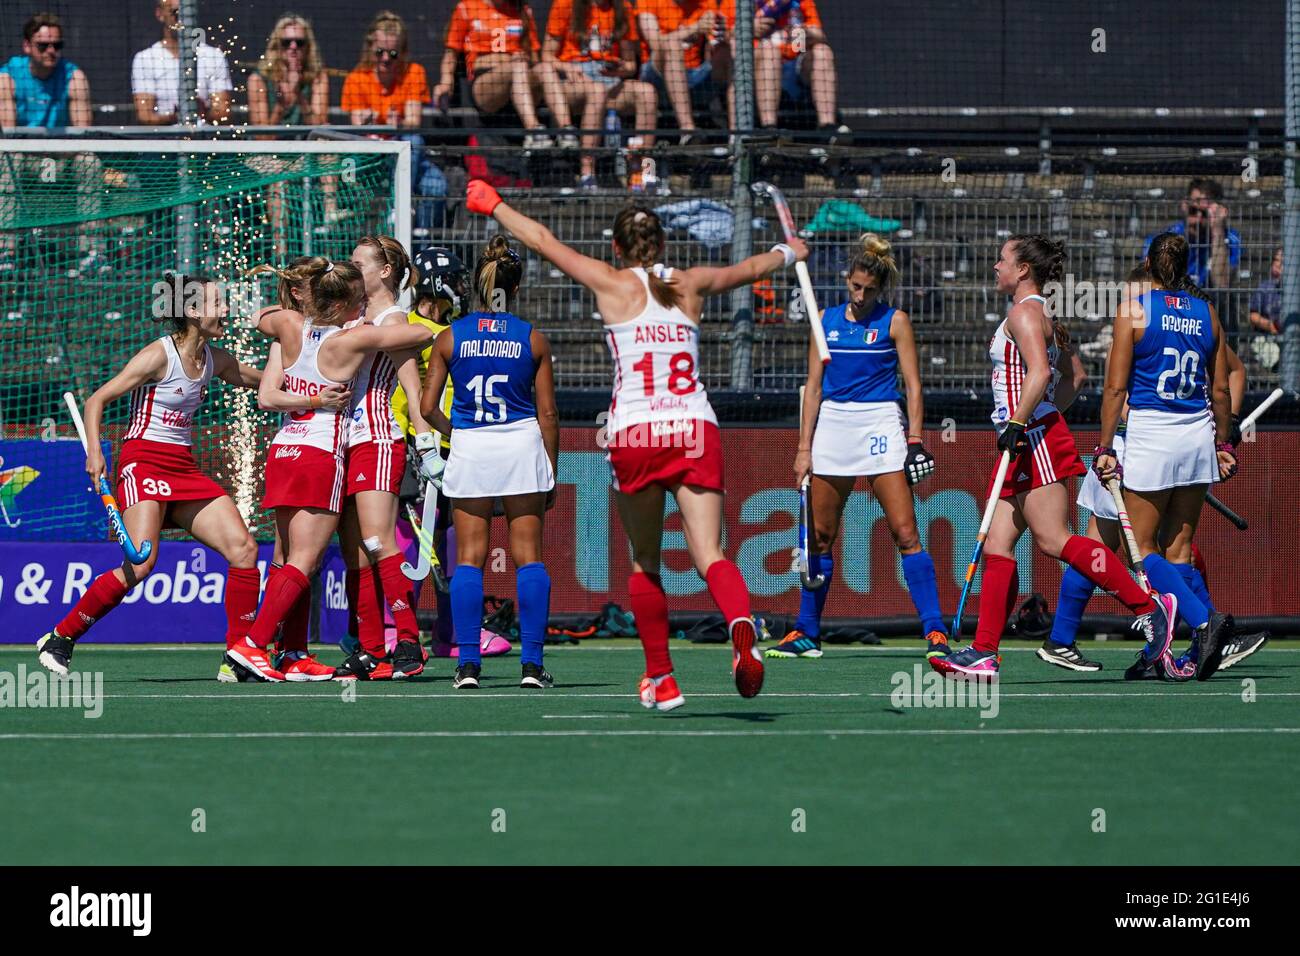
89,231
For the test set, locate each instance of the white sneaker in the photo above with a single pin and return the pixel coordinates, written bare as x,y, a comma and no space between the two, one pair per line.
538,140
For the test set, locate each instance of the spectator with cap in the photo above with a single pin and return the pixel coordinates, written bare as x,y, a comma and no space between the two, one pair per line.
156,76
41,89
387,88
1215,247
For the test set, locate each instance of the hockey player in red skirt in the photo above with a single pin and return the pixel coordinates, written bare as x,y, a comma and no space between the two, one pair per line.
663,434
1027,362
159,484
375,463
305,476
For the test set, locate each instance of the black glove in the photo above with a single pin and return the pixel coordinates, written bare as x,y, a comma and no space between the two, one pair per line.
919,463
1013,439
1234,435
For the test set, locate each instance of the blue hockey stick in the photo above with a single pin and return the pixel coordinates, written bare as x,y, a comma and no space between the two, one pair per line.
133,554
994,495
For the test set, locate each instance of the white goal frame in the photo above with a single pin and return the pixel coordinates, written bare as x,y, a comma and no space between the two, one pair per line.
398,148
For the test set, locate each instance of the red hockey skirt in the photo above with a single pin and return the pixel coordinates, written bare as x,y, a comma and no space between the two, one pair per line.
159,471
666,454
1051,457
303,476
375,466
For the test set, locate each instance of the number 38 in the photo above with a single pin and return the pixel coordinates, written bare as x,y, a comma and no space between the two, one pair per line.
159,487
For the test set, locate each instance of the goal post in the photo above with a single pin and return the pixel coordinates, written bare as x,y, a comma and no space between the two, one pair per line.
89,230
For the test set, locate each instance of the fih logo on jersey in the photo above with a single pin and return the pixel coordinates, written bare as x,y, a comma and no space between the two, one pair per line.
1178,302
491,325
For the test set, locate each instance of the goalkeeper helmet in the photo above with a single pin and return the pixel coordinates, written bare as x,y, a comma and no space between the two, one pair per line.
442,275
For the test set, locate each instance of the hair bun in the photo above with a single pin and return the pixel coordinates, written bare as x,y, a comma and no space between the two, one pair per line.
874,245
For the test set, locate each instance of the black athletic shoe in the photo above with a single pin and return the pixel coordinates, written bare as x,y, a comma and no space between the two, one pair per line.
363,666
1209,644
408,659
466,677
535,678
1142,669
54,653
1066,656
1240,646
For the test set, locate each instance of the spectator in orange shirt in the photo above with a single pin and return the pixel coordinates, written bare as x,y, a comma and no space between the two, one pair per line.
792,55
589,60
498,39
387,89
685,52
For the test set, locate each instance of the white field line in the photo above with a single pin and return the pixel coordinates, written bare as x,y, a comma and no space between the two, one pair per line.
848,732
461,695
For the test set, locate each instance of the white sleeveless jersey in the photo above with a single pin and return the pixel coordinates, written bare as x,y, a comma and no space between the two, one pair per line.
656,367
164,411
318,427
372,391
1009,374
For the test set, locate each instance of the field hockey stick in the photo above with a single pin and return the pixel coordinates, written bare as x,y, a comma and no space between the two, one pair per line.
994,496
1130,540
133,554
1236,519
805,534
801,268
426,556
1249,422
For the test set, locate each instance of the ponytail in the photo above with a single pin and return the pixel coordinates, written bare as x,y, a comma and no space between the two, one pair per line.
875,257
639,235
499,269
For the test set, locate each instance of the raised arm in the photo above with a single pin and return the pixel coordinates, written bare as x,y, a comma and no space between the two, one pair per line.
599,277
147,365
715,280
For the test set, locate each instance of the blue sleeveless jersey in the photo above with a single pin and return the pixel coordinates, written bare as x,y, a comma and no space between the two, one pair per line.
1169,362
41,103
491,369
864,360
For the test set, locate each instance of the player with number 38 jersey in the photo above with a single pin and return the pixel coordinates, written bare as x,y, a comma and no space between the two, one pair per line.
662,434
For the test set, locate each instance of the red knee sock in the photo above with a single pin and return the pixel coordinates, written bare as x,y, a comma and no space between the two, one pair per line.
242,587
1098,564
352,585
728,590
998,590
293,634
369,611
399,595
650,608
104,594
282,592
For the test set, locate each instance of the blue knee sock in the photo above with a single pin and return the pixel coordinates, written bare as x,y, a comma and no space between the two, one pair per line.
1076,592
812,602
1166,578
533,589
918,571
467,612
1196,583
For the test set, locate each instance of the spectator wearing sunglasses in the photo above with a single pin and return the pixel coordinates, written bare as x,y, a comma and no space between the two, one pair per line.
156,76
1214,248
388,89
290,86
40,89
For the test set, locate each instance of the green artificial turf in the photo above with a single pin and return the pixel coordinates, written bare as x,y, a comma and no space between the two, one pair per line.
415,772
